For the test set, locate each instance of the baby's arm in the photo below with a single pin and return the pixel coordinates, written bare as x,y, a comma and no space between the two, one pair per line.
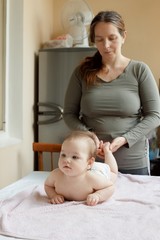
100,195
110,160
49,187
103,188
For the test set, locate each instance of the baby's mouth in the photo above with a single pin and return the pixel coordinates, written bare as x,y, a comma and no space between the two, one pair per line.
67,167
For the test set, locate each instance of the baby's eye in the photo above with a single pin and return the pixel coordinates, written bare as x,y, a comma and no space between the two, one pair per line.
75,157
63,155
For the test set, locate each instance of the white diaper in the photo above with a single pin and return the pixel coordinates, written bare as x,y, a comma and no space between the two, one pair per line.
101,168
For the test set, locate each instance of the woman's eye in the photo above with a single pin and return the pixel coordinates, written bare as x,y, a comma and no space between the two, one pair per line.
113,38
98,40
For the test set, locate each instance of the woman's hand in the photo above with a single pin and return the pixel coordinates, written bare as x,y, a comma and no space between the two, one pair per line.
114,146
117,143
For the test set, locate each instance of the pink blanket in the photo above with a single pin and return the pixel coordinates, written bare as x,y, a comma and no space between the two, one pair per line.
133,213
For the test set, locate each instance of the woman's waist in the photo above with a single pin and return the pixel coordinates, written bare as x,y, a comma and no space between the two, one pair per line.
111,125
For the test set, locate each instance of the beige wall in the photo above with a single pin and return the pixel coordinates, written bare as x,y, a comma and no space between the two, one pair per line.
1,58
41,22
142,23
38,28
17,160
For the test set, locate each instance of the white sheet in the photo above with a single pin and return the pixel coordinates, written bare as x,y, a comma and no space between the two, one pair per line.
133,213
32,178
20,185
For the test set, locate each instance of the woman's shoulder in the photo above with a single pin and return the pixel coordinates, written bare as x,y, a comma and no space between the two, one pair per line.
138,64
77,71
139,68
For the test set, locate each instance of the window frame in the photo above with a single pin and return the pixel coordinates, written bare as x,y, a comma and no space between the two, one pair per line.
2,63
12,132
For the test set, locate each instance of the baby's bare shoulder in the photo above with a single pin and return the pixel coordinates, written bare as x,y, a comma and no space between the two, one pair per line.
56,171
97,180
54,174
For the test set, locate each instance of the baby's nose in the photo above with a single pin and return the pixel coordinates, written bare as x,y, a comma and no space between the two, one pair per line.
68,159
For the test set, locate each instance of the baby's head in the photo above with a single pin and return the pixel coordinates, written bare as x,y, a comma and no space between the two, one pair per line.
87,138
78,153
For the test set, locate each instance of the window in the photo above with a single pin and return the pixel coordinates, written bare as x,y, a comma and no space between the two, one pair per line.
11,78
2,54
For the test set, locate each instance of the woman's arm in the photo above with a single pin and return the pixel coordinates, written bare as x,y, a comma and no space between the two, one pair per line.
150,101
72,101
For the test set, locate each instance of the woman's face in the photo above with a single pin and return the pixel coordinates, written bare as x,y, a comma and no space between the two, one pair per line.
108,40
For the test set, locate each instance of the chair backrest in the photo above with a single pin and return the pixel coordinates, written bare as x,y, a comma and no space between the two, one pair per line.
41,148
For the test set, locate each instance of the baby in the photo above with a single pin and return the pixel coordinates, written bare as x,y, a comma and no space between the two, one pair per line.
79,177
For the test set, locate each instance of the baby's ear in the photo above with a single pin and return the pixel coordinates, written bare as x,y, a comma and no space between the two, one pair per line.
91,160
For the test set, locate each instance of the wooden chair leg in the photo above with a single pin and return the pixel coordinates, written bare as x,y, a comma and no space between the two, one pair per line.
40,161
52,166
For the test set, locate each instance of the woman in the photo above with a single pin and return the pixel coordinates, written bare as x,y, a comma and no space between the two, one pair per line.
114,96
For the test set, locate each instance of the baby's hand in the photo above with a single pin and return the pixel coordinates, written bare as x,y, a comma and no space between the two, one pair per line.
106,147
93,199
100,152
57,199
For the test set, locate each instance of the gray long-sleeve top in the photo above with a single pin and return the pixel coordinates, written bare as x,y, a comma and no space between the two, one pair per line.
128,106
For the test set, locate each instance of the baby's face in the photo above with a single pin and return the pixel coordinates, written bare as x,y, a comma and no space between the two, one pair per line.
74,156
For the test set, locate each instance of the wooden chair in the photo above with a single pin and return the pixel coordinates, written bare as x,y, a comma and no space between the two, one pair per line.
41,148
